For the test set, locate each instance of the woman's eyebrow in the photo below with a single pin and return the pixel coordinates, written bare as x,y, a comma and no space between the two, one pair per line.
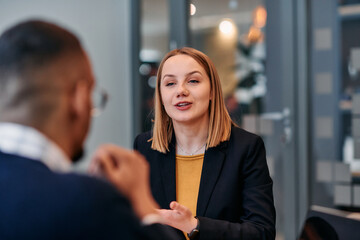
188,74
193,72
168,75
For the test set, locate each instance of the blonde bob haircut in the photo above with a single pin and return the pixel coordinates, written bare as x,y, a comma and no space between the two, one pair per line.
219,120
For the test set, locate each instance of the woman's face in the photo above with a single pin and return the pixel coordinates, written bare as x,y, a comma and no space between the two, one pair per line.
185,90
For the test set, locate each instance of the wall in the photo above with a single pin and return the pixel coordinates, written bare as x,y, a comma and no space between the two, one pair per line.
104,29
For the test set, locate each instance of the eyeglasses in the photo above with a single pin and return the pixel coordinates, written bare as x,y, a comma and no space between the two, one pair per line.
100,98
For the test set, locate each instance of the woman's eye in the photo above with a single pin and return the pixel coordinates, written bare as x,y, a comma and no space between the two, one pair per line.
169,84
193,81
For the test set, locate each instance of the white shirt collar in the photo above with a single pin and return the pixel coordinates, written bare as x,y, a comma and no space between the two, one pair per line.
28,142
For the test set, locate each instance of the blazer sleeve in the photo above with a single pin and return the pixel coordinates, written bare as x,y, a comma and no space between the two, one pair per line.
258,212
140,140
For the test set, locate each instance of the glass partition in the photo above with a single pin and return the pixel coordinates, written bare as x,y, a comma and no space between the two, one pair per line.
336,104
233,35
154,45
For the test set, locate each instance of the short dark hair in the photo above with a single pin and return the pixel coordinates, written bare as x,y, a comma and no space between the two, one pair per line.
34,43
26,50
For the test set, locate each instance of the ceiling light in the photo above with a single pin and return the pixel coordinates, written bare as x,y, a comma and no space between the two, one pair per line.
192,9
226,26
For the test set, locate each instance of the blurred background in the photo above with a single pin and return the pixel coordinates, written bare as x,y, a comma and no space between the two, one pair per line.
289,72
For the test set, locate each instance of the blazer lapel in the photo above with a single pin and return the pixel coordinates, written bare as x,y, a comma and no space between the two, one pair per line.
168,174
212,166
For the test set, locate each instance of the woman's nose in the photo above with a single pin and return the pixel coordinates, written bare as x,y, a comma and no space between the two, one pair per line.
182,90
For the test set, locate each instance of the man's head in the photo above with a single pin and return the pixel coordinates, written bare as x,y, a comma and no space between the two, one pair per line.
46,82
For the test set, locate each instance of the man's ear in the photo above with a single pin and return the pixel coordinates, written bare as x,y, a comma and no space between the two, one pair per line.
80,104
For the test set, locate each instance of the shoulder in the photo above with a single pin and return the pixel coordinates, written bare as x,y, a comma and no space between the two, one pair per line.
142,142
240,135
143,137
83,192
95,205
78,200
92,187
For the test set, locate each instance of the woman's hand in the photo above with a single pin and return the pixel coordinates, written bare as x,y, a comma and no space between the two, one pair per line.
179,217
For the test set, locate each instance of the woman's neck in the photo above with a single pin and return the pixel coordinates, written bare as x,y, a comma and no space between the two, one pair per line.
191,138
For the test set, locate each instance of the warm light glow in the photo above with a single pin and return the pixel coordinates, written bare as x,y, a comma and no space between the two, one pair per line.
259,17
227,27
192,9
254,34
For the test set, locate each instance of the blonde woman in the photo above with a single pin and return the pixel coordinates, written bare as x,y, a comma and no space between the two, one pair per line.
209,177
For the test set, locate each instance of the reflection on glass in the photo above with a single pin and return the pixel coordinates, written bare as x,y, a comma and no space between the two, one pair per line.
154,45
232,35
316,228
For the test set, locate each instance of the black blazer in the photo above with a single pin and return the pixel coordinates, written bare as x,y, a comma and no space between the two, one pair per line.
36,203
235,198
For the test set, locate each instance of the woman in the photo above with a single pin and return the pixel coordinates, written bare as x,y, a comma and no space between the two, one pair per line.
212,174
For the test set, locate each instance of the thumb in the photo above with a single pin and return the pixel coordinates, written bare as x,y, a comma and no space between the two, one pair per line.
173,205
178,207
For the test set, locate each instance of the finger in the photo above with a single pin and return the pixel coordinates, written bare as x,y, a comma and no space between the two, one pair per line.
173,205
93,167
95,170
106,164
178,207
119,155
106,152
114,161
132,159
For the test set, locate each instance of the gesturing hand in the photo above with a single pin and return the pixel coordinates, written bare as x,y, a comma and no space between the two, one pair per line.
128,171
179,217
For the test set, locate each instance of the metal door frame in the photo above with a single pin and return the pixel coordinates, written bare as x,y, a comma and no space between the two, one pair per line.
292,44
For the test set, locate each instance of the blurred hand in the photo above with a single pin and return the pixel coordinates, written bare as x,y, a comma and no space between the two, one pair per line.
179,217
128,171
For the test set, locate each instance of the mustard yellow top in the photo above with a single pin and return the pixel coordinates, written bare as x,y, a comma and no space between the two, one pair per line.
188,174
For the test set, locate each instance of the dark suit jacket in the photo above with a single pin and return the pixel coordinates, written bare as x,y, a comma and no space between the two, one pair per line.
36,203
235,198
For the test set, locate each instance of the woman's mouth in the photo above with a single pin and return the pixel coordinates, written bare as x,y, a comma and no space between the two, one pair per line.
183,105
